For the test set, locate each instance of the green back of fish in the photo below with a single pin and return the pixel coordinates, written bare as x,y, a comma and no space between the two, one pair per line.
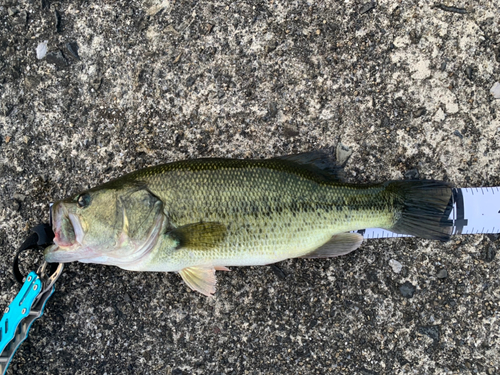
226,189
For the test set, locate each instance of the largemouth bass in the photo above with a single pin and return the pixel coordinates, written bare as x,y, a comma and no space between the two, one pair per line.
199,216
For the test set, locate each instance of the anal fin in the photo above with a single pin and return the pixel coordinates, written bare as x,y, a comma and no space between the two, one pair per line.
338,245
201,279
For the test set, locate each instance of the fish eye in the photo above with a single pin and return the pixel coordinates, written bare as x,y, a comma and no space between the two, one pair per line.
83,200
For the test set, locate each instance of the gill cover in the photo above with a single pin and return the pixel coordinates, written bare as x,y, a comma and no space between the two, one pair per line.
138,213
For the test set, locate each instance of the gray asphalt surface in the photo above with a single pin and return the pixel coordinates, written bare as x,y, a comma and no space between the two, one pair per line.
129,84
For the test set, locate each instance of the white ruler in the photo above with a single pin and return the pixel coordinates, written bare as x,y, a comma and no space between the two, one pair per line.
473,211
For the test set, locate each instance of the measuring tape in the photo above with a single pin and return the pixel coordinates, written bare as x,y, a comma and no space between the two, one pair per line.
473,211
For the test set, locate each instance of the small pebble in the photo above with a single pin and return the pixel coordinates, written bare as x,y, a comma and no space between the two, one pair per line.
127,298
41,50
469,71
342,154
407,289
72,48
495,90
442,274
395,265
419,112
190,81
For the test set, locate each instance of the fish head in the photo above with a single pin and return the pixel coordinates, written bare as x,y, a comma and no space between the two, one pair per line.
108,225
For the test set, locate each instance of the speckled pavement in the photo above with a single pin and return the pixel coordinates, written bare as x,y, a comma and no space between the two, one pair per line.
128,84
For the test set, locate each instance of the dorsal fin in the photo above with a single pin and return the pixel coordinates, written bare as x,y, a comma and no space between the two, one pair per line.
321,162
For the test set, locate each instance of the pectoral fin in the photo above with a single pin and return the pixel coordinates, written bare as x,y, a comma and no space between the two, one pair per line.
201,279
200,236
340,244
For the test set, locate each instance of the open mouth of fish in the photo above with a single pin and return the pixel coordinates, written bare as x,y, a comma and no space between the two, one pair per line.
68,237
69,243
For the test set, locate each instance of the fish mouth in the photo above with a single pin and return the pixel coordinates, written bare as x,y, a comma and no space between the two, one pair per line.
68,236
69,245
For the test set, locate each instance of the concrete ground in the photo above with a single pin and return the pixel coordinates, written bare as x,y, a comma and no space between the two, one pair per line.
128,84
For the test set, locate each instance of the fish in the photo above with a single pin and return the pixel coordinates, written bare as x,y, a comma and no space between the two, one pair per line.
196,217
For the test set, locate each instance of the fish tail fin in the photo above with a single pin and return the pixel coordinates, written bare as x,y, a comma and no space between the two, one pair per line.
425,206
